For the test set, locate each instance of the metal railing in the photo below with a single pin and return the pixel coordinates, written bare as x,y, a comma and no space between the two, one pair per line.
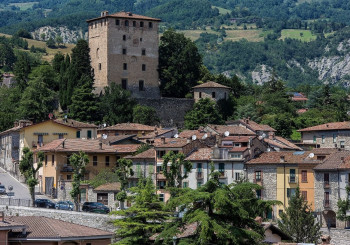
326,184
327,203
199,175
15,202
292,179
222,175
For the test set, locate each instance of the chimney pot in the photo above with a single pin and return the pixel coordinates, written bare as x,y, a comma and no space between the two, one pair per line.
100,145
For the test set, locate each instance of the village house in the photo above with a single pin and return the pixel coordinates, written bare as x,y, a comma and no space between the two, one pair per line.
158,133
126,129
211,90
86,130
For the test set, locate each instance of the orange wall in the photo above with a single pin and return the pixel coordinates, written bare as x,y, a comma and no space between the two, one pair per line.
3,237
308,186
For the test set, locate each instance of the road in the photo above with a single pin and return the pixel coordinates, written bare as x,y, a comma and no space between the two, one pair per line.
20,190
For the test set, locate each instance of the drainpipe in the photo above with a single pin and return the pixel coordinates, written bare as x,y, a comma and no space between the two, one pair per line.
284,186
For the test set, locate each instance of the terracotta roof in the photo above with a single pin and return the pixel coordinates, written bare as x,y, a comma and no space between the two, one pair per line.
211,84
129,127
47,228
10,225
171,143
63,124
76,124
76,145
252,125
335,161
202,154
288,143
282,143
149,154
238,149
117,138
232,129
157,133
297,157
328,126
14,129
188,134
301,111
129,148
237,139
126,15
298,96
109,187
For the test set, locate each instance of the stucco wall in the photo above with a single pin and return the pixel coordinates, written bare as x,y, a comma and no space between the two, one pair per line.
343,135
202,93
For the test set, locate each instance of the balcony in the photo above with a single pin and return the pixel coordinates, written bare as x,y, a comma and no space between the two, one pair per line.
67,169
327,204
258,181
222,175
199,175
326,184
292,179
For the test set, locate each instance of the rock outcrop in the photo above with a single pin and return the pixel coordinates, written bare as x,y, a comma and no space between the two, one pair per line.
69,36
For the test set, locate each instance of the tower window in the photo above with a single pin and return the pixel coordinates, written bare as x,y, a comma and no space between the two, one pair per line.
200,94
150,24
141,85
143,51
143,67
134,23
124,50
124,37
126,23
125,66
99,66
117,22
213,94
141,24
140,39
124,83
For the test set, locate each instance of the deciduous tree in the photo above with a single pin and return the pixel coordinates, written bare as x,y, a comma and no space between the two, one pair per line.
124,171
145,115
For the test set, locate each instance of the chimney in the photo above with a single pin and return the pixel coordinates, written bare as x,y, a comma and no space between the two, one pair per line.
100,143
2,216
63,143
129,13
271,135
104,13
282,159
16,124
163,139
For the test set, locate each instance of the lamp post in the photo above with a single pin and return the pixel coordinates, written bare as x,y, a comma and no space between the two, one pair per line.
174,240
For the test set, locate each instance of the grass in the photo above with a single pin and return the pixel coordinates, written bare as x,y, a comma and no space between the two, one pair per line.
300,34
222,10
50,52
23,6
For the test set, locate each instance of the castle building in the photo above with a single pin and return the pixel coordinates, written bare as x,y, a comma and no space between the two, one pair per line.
124,50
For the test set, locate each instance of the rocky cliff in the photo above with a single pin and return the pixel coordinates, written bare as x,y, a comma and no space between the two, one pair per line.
69,36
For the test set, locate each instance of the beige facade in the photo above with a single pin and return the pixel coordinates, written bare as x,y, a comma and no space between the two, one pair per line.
124,50
211,90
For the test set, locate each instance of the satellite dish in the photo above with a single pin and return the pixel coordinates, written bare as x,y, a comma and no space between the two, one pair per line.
65,116
263,135
205,136
176,136
227,133
104,136
268,149
311,155
194,137
104,125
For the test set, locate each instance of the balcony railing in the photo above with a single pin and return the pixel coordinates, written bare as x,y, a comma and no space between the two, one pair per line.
258,181
222,175
199,175
292,179
67,169
326,184
327,203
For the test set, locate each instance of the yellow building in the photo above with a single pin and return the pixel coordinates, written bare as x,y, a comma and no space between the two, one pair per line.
57,170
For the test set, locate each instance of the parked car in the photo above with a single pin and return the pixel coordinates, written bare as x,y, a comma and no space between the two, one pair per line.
95,207
2,190
44,203
64,205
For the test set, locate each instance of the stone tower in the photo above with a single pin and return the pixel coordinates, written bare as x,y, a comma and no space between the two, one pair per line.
124,50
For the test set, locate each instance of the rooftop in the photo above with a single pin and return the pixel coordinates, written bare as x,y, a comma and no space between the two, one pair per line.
115,139
337,160
201,154
254,126
211,84
282,143
189,133
296,157
232,129
129,127
158,132
171,142
149,154
76,124
126,15
115,186
127,148
328,126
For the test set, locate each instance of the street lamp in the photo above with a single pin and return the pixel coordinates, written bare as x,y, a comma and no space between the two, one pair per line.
174,240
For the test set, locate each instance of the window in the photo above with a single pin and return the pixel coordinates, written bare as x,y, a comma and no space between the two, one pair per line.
78,134
280,212
342,144
323,139
53,160
126,23
161,184
326,180
99,66
107,161
124,83
69,177
213,94
89,134
45,160
292,176
159,169
326,199
221,167
134,23
124,50
334,138
303,175
160,154
94,160
143,67
161,197
184,184
150,24
236,156
60,136
141,85
290,192
199,184
258,175
200,94
304,195
314,139
117,22
140,39
40,140
141,24
258,194
125,66
143,51
199,167
124,37
237,176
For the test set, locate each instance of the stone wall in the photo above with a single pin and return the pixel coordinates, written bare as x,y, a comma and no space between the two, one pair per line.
320,190
202,93
171,111
99,221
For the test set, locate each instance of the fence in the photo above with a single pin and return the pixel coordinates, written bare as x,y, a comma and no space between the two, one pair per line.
15,202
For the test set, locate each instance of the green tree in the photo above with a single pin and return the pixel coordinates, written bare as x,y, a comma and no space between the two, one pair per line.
178,169
59,40
9,101
46,74
57,61
116,105
104,176
7,57
298,221
204,112
179,64
22,70
142,148
124,171
78,163
144,218
145,115
227,107
50,43
344,206
27,168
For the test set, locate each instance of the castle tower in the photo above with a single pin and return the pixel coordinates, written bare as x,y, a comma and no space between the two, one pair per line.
124,50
